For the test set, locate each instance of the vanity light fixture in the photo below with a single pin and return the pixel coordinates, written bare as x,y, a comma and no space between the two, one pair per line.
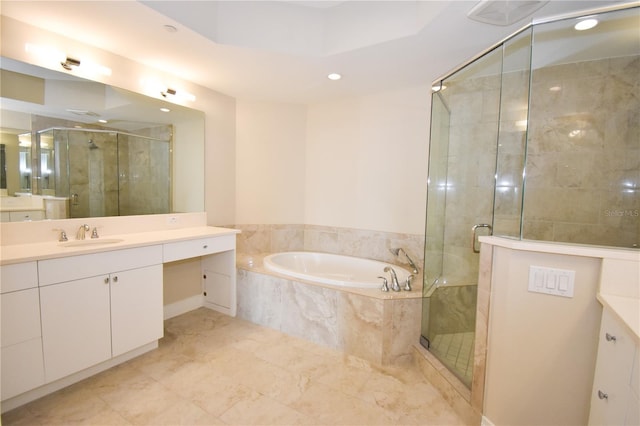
181,95
586,24
68,63
334,76
49,54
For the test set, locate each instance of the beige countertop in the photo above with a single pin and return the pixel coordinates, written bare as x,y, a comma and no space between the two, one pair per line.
18,253
627,309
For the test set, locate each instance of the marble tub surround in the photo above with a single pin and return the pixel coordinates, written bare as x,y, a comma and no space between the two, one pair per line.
256,239
373,325
213,369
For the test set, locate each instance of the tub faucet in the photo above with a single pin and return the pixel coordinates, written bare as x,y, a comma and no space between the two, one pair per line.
83,228
396,252
395,285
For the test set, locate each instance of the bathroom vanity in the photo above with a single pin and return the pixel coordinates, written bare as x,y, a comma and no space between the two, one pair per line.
70,310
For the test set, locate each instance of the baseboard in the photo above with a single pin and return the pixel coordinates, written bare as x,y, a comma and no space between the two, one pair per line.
183,306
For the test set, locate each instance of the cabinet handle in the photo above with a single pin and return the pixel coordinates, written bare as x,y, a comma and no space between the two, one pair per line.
610,337
205,246
115,279
603,395
106,280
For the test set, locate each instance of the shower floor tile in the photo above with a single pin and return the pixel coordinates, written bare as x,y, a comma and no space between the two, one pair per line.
456,351
212,369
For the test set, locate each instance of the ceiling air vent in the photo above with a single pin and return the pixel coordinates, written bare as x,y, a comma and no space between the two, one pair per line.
503,12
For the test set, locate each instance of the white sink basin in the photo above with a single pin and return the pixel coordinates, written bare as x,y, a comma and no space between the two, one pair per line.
90,242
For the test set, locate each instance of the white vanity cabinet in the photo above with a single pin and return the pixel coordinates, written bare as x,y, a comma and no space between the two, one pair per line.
614,399
98,306
218,261
22,363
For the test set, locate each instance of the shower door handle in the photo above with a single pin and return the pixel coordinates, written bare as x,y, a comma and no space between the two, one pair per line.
474,235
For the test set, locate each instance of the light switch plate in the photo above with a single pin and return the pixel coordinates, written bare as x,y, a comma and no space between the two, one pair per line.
557,282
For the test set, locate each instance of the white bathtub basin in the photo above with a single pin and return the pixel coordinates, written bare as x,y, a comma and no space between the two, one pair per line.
346,271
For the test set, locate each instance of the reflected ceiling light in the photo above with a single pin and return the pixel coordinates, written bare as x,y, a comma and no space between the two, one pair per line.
555,88
165,109
334,76
586,24
438,87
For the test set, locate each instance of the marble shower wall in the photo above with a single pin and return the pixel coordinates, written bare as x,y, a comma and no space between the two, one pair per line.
256,239
378,330
583,153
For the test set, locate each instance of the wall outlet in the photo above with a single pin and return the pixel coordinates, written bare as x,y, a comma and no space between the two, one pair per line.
558,282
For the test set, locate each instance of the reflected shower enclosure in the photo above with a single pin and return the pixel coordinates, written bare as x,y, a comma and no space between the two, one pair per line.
537,139
106,173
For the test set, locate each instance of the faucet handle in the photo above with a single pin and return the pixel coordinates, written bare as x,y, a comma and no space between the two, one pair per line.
63,235
385,286
407,284
94,233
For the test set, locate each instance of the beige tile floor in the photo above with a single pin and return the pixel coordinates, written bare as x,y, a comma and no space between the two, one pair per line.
211,369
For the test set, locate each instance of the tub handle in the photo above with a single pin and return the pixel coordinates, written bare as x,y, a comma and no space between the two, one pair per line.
407,284
385,284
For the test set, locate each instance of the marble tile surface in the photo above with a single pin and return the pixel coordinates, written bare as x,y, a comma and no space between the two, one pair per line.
211,369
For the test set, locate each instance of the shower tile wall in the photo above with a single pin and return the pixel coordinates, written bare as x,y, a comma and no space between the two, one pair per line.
583,161
256,239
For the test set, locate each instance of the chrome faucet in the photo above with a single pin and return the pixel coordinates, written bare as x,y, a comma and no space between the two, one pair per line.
395,285
396,252
80,234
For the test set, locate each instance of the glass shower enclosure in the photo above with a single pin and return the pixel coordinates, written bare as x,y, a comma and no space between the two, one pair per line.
538,138
105,173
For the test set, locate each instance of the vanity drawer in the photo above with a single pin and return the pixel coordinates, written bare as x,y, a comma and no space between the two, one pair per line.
198,247
20,316
90,265
19,276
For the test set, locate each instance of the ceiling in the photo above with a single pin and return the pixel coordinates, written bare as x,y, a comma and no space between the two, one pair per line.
283,50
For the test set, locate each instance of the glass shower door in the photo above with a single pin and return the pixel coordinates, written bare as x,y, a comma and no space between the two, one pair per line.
93,173
462,167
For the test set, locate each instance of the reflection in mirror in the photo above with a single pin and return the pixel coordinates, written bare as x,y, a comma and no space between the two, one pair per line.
76,148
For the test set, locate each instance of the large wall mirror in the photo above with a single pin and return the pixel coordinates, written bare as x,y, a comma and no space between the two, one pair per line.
71,148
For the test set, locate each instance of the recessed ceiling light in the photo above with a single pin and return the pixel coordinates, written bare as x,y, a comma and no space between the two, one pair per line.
334,76
165,109
586,24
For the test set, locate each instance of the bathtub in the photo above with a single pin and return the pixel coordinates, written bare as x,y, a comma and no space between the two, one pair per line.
338,270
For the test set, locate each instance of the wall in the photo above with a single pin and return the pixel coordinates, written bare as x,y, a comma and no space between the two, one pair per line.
366,161
588,159
270,162
541,348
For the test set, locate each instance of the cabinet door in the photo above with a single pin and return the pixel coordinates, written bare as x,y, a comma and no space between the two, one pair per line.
76,327
611,389
136,308
22,365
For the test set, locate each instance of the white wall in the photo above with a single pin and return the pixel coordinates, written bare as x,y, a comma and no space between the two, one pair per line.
366,161
270,163
541,349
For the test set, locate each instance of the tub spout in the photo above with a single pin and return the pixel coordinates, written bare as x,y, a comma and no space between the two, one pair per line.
395,285
396,252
